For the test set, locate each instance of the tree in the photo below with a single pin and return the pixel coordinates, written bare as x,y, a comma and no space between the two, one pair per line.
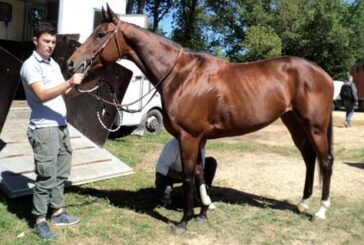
262,42
231,20
289,21
326,39
158,9
355,20
134,6
188,25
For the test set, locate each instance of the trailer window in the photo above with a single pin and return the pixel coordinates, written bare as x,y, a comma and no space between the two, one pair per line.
97,18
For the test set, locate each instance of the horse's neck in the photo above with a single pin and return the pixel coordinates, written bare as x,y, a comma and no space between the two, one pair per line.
153,55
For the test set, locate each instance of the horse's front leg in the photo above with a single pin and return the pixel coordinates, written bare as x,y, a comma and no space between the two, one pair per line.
188,214
189,152
201,191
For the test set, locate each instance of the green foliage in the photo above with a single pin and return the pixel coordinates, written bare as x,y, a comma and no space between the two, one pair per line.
262,42
120,147
326,40
354,19
188,25
289,20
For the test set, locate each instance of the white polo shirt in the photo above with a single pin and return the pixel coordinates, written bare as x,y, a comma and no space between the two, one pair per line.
50,113
170,158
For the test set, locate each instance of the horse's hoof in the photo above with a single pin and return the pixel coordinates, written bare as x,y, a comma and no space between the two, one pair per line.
211,206
302,208
200,220
316,219
179,229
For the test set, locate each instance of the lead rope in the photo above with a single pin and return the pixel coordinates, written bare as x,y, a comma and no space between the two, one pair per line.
125,107
100,107
154,89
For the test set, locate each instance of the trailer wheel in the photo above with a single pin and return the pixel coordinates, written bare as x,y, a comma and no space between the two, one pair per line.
153,121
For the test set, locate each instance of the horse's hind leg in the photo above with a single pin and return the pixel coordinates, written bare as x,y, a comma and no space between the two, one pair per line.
326,160
304,145
318,127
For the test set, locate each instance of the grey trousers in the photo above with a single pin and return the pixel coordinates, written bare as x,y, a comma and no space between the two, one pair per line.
52,157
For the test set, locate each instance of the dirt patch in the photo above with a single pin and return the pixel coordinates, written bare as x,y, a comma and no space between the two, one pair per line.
276,176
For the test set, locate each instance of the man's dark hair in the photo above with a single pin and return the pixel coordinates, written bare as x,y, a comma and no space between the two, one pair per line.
43,27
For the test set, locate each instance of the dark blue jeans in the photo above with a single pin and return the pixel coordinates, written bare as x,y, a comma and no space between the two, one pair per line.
349,114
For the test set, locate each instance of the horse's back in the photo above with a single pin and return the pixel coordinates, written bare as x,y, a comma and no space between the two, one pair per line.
237,98
297,76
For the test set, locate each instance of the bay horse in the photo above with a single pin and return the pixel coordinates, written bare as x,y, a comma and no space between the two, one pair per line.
205,97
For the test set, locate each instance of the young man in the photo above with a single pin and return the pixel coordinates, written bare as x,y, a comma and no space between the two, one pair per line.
47,132
169,170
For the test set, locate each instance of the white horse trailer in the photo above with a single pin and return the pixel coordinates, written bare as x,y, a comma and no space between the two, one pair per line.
145,103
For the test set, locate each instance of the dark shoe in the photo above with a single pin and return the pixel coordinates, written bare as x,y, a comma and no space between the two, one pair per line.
64,219
42,229
166,199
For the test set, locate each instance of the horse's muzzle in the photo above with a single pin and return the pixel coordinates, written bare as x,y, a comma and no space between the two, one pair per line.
81,68
70,66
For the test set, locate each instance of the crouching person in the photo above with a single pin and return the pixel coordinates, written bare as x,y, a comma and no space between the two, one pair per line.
169,171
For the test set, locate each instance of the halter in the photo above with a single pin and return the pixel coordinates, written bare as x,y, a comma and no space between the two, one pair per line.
87,64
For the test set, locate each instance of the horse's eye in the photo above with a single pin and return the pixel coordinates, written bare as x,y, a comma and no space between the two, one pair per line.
101,35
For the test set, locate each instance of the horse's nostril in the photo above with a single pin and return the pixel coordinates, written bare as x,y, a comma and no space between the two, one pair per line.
70,65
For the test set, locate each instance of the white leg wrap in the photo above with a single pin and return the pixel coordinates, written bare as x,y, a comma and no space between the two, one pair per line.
204,197
321,213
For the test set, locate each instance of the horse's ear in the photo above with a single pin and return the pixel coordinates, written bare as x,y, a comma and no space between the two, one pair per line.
104,14
112,17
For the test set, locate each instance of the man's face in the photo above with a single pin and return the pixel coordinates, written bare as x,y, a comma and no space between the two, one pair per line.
45,44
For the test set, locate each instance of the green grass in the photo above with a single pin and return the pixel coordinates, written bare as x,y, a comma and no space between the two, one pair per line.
124,210
131,148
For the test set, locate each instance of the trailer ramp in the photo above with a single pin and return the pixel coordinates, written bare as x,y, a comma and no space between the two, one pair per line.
89,163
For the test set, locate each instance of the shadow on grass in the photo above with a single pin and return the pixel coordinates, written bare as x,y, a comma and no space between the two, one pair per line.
145,200
355,164
21,207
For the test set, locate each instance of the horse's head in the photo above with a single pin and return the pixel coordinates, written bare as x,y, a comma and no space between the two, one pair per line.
103,46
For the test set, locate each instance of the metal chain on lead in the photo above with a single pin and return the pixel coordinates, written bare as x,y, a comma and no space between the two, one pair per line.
100,106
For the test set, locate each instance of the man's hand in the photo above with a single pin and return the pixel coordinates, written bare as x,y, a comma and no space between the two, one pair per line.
76,79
